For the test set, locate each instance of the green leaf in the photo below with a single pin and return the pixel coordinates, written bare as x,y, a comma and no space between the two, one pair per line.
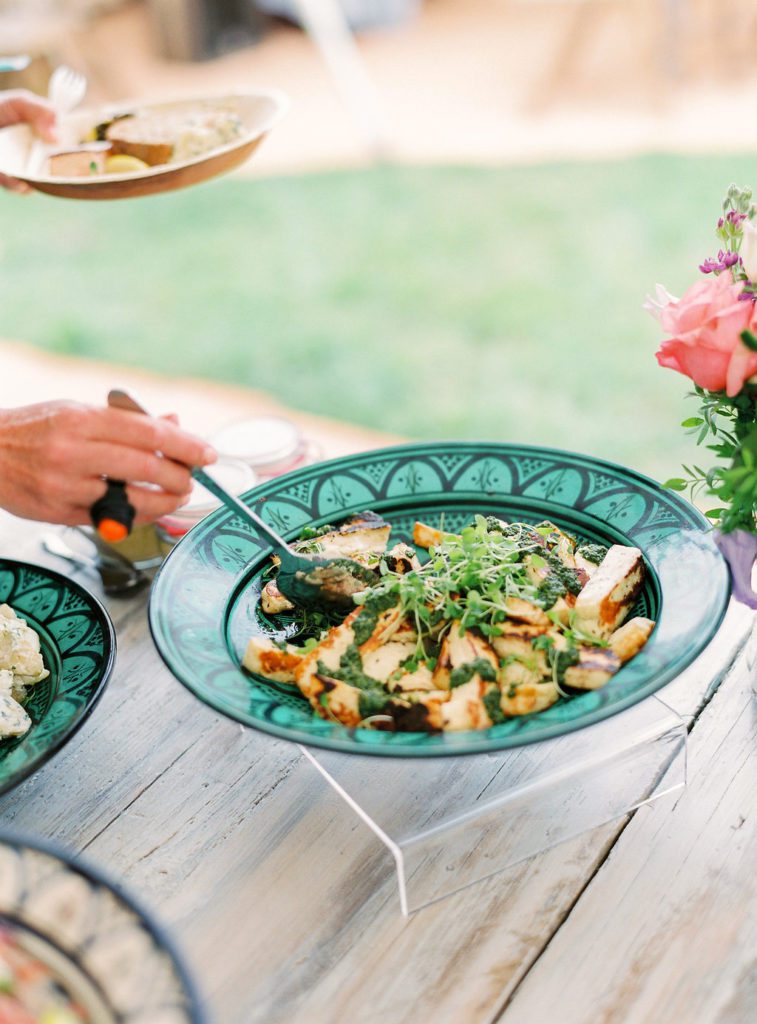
692,421
715,513
749,340
675,483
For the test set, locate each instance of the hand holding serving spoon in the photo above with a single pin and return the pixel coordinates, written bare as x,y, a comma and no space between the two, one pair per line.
304,581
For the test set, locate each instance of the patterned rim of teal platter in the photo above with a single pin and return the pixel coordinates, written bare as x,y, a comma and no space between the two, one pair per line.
205,600
104,946
78,646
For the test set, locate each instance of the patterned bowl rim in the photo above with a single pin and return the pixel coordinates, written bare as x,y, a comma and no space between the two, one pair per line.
109,648
96,875
346,746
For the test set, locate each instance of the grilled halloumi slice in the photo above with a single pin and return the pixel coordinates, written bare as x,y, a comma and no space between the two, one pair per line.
562,609
536,573
565,550
420,678
526,698
526,611
337,701
382,662
515,673
419,711
402,559
457,651
266,659
428,536
329,652
362,537
627,641
272,601
516,640
465,708
607,598
596,666
388,625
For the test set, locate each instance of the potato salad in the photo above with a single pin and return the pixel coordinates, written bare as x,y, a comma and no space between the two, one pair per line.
21,666
500,620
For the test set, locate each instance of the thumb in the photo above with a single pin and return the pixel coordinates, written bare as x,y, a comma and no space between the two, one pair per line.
39,114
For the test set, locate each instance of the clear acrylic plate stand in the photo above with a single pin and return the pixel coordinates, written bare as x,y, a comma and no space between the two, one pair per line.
450,822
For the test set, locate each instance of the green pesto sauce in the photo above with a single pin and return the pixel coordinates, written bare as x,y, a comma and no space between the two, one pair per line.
592,552
366,621
350,671
371,702
550,590
493,709
463,673
312,532
566,576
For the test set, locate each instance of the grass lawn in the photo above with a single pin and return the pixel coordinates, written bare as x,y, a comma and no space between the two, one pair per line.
438,303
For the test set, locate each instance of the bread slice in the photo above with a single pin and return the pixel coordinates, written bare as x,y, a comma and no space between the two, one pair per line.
151,139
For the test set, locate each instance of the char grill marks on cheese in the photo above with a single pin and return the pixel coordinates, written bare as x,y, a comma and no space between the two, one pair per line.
503,620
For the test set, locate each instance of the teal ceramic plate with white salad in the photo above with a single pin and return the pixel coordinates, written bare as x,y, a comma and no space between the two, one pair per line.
78,647
206,600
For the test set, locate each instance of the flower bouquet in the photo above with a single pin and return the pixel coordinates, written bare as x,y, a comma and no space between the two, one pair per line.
713,341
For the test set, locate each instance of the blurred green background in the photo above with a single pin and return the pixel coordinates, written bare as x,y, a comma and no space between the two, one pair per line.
499,304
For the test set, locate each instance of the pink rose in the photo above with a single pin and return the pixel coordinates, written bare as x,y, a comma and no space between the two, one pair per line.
706,326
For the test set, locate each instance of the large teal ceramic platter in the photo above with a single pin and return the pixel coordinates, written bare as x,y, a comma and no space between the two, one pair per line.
78,647
205,601
105,952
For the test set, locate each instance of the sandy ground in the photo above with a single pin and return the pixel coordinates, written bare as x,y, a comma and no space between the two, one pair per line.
476,81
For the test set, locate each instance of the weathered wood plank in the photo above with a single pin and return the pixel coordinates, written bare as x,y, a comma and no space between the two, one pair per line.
667,931
283,900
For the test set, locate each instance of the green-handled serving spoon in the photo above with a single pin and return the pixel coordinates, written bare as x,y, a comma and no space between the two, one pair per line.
307,582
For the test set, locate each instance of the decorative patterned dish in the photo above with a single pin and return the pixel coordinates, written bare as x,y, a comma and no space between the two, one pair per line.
78,648
85,951
206,599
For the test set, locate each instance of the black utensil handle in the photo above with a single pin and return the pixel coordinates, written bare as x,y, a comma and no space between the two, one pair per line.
114,506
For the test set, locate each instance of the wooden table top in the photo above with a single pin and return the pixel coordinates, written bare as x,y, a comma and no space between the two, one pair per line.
287,909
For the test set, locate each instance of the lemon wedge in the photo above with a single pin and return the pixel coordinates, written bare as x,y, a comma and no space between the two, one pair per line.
122,163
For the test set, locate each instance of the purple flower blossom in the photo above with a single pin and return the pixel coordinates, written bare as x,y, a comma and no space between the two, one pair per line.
733,218
724,261
739,549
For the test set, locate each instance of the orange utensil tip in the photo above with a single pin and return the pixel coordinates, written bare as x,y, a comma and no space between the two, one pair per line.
112,531
113,514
